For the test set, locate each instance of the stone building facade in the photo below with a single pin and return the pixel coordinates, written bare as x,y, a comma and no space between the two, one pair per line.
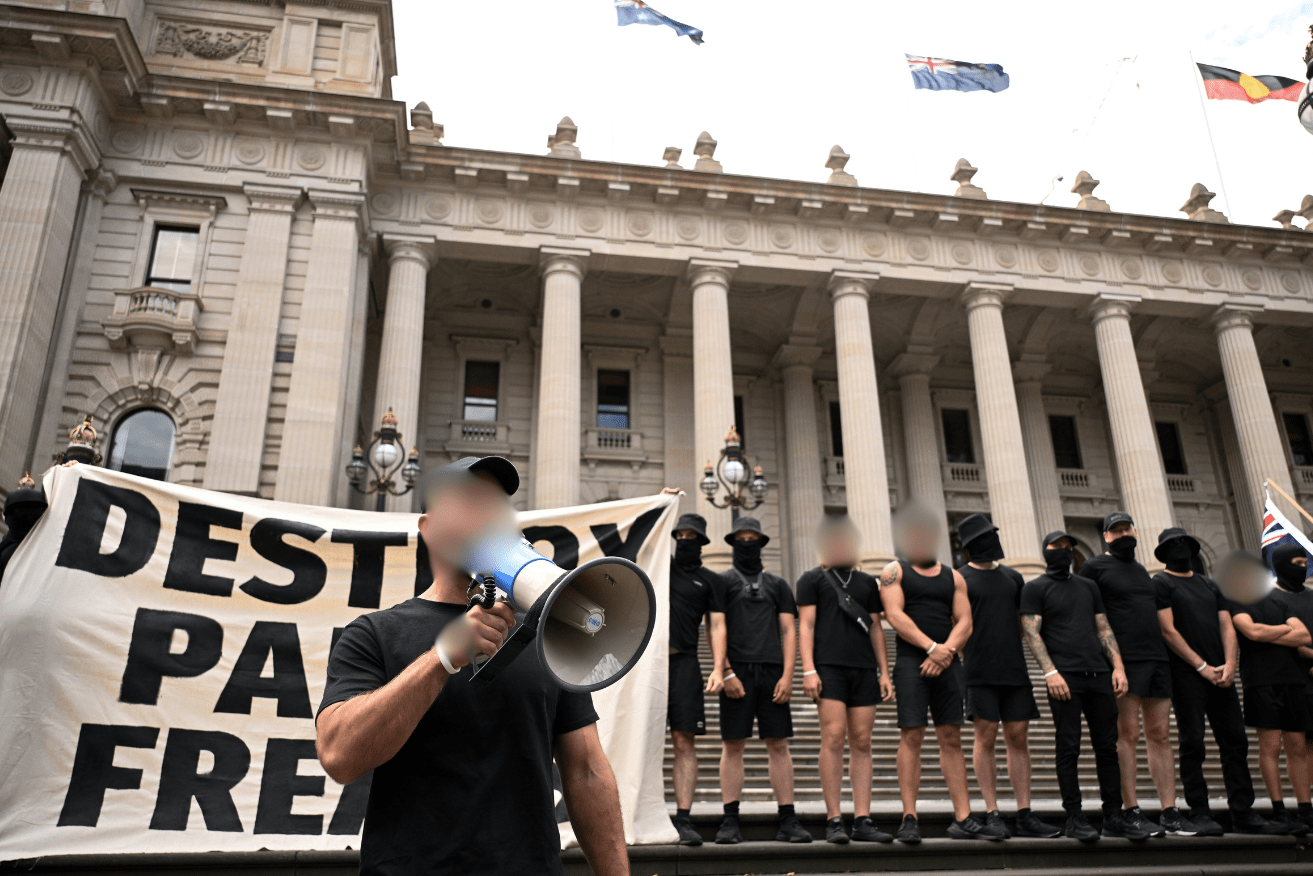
221,237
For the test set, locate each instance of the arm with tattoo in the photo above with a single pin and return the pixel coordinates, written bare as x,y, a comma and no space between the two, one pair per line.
1030,624
1107,641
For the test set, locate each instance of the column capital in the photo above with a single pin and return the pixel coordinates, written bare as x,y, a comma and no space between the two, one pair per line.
1230,316
557,259
711,271
905,364
1108,305
985,295
411,247
272,199
851,283
63,135
795,356
340,205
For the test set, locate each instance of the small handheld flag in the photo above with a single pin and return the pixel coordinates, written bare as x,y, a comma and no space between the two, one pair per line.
638,12
942,74
1223,84
1277,530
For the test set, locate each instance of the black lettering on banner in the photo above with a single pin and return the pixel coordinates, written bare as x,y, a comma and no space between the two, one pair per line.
287,685
367,562
608,536
85,530
94,772
349,815
192,546
150,659
179,781
565,544
337,634
309,571
280,786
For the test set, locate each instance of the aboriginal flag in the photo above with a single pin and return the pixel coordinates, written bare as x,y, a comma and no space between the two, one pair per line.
1223,84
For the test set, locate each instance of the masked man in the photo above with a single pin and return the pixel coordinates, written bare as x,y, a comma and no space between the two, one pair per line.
1291,564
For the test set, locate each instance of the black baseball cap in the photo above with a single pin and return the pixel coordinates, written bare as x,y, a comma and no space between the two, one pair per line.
501,470
1116,517
1055,536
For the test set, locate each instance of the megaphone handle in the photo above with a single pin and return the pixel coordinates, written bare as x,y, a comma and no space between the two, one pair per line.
488,597
520,638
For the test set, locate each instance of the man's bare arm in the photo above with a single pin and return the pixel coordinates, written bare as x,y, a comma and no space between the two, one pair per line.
592,800
1256,632
891,593
719,641
1298,635
878,643
1108,641
1030,624
962,624
1172,636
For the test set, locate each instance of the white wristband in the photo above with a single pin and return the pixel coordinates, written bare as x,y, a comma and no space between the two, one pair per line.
731,675
444,659
1051,673
931,649
1201,667
809,672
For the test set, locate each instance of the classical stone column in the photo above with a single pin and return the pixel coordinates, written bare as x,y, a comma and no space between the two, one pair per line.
802,451
1010,504
1040,459
1139,465
713,385
38,209
241,408
556,468
925,476
1251,409
310,459
865,476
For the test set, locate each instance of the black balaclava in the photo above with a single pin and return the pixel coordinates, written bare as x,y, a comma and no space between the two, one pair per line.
1057,560
688,553
985,548
1289,576
1123,548
1177,554
747,556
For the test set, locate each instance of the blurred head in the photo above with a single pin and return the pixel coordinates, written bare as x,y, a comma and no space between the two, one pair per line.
464,502
1243,578
917,531
836,542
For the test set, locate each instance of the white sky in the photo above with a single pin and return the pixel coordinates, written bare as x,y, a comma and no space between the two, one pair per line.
779,83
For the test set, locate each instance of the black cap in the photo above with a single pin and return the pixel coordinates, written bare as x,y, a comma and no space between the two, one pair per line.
747,524
502,470
694,522
1116,517
1055,535
1171,534
971,528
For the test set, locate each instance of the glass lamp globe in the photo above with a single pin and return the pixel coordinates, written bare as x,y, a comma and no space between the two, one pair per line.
385,455
734,472
708,483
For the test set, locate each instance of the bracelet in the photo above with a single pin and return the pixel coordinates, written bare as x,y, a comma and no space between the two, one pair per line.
1201,667
728,677
444,659
1051,673
931,649
809,672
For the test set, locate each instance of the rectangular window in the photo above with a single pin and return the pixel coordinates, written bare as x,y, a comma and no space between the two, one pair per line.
1066,449
173,258
738,421
836,430
613,399
1169,442
481,384
957,436
1301,445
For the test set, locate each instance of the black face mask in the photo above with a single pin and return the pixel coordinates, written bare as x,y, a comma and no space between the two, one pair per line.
747,557
1289,576
688,553
1177,555
1058,562
1123,548
985,548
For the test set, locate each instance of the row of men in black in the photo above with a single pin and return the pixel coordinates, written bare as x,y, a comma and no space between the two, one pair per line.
1073,625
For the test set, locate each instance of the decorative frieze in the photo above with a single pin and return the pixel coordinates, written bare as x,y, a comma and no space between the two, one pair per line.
212,44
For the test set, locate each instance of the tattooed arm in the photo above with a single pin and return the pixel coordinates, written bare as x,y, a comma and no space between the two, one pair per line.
1108,642
1057,685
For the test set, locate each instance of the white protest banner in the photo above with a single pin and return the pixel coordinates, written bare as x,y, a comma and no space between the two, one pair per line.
163,650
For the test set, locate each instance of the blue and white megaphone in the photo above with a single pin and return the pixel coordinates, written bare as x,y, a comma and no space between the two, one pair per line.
589,626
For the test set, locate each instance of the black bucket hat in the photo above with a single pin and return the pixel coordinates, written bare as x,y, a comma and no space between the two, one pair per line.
694,522
971,528
1172,534
747,524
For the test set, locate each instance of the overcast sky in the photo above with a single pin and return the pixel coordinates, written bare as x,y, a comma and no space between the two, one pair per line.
1106,87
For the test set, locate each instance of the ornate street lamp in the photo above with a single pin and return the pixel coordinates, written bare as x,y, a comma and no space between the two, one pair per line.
731,472
81,444
382,460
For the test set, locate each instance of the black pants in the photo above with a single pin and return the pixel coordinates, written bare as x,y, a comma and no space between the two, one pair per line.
1195,699
1091,694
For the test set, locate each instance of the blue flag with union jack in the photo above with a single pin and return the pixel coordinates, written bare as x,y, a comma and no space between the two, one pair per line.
942,74
1278,530
638,12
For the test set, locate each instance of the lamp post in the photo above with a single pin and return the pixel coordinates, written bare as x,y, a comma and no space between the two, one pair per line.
81,444
381,461
731,472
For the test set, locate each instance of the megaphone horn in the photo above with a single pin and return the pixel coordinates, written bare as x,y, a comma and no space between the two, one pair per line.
589,626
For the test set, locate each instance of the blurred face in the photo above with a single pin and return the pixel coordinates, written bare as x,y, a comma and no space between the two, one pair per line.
460,512
839,548
917,538
685,535
1243,579
1118,531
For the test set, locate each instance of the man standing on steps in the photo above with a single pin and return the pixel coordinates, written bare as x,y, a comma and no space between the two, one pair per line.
997,677
1129,596
1291,564
1067,630
693,589
927,606
845,670
1197,628
758,682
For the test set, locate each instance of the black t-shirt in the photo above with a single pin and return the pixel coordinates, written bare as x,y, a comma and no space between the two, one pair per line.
928,602
993,654
470,792
1195,602
1265,663
753,605
1301,606
1066,608
839,641
1129,596
692,595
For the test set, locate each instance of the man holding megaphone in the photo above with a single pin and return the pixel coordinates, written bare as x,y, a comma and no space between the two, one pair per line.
462,778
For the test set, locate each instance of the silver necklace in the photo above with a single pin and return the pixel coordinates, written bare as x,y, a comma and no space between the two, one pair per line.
845,584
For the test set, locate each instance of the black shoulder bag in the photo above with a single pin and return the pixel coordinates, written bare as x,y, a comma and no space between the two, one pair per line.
846,604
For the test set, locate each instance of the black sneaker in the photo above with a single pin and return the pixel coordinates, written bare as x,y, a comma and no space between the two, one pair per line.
1030,825
972,827
1306,818
865,831
1204,823
1136,817
792,831
1117,824
1174,823
729,833
1291,822
834,832
1251,822
1079,828
995,820
687,835
909,831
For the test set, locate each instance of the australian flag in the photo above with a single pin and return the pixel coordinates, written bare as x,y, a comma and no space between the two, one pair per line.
1278,530
637,12
941,74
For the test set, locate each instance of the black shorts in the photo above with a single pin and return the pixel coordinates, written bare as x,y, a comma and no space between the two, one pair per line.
774,720
940,696
1149,679
685,710
1277,707
1001,702
851,685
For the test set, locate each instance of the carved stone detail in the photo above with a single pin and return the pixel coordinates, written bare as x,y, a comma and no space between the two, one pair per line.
245,46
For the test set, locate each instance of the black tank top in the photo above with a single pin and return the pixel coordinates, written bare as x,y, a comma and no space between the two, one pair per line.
928,601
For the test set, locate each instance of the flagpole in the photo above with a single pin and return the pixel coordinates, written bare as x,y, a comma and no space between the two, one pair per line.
1273,484
1203,108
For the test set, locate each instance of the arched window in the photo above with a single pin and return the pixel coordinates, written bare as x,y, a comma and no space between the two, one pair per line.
143,444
